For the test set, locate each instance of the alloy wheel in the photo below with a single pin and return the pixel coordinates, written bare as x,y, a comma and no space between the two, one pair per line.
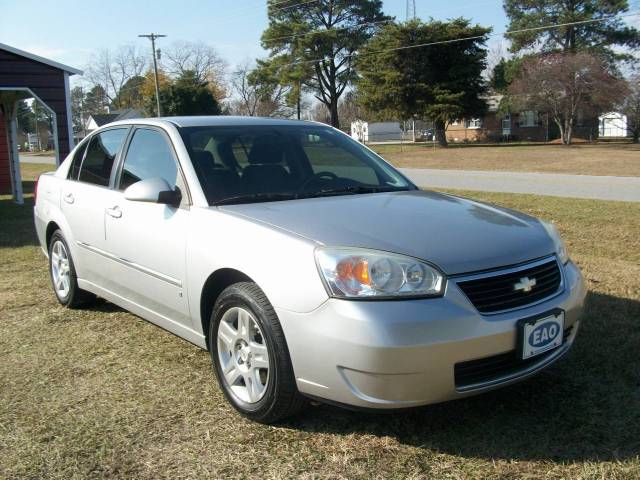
243,355
60,269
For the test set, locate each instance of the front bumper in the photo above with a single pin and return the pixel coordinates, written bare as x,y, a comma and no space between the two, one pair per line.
394,354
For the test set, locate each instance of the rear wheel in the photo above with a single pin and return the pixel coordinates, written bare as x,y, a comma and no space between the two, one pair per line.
63,274
250,355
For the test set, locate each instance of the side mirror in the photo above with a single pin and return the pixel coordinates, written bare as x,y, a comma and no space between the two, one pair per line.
153,190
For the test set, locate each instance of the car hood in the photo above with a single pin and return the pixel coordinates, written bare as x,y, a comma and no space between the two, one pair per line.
456,234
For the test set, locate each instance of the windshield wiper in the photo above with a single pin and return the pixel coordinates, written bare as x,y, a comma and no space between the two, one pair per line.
255,198
351,190
273,197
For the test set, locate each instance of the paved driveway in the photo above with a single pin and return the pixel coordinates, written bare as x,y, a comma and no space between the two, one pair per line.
38,159
561,185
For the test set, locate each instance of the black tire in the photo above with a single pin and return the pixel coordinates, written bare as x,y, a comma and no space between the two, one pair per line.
75,297
281,398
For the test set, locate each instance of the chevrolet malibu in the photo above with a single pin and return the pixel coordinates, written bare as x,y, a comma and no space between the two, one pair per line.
305,264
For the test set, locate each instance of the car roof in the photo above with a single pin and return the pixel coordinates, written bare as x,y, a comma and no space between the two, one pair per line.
222,120
213,121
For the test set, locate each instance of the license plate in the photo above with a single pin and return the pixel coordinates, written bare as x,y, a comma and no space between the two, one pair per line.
540,334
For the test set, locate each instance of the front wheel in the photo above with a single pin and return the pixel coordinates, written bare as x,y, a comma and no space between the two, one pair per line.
250,355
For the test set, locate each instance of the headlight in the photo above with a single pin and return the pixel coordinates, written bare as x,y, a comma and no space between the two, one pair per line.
362,273
560,247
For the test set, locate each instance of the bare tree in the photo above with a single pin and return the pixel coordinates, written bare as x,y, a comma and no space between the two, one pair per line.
631,108
320,113
497,52
348,109
112,69
564,85
255,98
200,58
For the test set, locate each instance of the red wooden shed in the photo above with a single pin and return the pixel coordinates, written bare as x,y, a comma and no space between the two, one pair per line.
25,75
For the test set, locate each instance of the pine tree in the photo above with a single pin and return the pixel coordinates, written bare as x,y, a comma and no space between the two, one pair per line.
598,37
329,31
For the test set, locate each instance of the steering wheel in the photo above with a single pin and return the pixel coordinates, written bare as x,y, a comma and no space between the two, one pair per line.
316,176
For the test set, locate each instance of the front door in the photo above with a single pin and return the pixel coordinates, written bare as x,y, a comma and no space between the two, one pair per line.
147,240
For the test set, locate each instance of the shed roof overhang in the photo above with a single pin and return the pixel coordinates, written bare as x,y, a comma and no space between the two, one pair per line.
38,58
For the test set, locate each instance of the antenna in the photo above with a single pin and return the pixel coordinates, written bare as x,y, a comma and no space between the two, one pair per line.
411,9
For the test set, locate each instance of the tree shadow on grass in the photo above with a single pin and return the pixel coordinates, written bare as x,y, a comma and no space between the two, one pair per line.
28,186
16,223
585,407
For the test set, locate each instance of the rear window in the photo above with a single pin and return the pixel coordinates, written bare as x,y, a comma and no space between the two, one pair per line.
100,156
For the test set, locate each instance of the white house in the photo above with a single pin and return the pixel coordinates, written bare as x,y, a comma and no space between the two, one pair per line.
101,119
360,131
612,125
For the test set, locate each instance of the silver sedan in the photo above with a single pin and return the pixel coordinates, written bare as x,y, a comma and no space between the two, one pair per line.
306,265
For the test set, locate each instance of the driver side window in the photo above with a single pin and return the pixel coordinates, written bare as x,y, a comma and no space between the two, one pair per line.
149,156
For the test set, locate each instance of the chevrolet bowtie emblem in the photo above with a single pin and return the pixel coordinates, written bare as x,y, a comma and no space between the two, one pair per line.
525,284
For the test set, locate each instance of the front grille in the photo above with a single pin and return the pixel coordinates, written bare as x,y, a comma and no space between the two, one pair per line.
496,292
487,369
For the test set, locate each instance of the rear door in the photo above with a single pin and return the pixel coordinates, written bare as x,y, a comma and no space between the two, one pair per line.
84,199
148,240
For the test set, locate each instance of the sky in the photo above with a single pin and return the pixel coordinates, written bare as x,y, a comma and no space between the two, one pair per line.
70,31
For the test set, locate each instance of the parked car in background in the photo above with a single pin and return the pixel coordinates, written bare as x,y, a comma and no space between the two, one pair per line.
306,265
428,135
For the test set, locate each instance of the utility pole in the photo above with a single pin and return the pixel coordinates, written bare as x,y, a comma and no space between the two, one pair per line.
35,113
82,121
152,37
299,100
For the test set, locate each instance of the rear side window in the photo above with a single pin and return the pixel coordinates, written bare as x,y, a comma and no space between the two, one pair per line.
149,156
100,156
77,161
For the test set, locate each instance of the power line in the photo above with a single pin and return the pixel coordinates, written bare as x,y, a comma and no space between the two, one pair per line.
242,14
475,37
290,6
274,4
443,42
315,32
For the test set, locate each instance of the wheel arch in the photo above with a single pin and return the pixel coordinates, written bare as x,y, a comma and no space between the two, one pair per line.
52,226
211,290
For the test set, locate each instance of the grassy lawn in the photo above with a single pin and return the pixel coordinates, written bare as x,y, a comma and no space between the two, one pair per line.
102,393
587,159
31,171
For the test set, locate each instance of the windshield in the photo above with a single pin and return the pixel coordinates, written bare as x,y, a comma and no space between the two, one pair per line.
243,164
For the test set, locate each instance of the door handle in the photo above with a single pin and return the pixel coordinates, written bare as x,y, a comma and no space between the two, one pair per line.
114,212
69,198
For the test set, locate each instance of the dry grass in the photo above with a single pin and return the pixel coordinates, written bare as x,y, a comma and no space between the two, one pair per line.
102,393
589,159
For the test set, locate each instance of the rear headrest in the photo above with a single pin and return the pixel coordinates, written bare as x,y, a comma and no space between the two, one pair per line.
225,152
203,157
266,149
